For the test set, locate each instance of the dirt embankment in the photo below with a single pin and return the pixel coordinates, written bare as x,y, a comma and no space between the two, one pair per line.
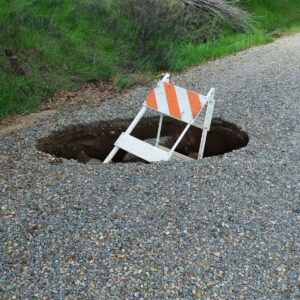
91,94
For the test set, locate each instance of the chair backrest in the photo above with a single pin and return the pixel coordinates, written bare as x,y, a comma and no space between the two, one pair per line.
176,102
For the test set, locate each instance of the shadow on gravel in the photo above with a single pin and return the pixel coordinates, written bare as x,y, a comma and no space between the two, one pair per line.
91,143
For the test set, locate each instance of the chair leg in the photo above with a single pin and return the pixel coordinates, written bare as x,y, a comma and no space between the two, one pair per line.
128,131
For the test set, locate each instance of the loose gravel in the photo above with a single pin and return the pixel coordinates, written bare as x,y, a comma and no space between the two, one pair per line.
220,228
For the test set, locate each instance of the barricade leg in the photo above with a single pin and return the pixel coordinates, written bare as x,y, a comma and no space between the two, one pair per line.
207,122
179,139
128,131
159,129
202,144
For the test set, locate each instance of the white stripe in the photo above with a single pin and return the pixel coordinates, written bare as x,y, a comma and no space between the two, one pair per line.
203,101
161,99
184,104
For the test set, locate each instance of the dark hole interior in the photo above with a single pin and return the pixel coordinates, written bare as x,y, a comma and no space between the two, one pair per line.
93,142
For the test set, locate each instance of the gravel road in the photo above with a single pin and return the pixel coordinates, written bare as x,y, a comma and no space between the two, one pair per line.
221,228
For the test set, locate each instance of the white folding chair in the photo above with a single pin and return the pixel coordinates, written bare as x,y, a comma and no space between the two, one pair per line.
178,103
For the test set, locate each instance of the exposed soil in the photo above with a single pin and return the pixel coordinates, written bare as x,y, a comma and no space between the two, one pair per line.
96,140
90,94
19,122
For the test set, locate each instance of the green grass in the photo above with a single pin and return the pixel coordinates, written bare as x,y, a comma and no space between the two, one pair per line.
62,44
190,54
271,15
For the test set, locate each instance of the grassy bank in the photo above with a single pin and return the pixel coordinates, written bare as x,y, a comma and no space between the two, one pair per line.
276,15
46,46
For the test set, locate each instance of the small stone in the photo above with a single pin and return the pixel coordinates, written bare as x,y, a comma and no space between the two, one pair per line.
217,254
154,270
280,269
193,155
93,161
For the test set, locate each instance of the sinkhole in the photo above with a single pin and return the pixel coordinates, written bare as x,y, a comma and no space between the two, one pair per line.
91,143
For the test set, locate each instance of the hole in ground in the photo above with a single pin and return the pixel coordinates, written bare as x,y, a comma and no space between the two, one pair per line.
93,142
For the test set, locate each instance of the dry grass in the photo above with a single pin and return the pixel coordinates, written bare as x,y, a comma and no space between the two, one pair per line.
224,11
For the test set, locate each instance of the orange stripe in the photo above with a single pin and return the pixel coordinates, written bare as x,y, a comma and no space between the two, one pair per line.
172,101
151,100
195,103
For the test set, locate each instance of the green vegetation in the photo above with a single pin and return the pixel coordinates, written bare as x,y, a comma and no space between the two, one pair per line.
274,15
49,45
193,54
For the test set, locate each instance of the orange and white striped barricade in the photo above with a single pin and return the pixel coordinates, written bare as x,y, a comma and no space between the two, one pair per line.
173,101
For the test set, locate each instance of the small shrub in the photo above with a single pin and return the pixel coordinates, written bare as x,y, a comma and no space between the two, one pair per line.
159,25
122,82
222,11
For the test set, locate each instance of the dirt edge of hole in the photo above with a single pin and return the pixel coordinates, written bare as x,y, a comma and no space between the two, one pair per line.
91,143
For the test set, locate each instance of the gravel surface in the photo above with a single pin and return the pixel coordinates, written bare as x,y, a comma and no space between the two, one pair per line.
220,228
